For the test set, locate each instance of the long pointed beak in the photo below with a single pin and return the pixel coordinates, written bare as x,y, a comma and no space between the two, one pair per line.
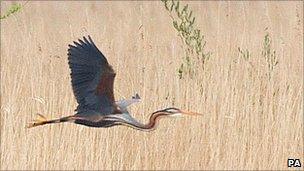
191,113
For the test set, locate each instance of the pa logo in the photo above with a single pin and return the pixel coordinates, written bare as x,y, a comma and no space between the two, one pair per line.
293,163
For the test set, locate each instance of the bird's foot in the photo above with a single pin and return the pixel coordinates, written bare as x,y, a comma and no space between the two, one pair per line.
40,120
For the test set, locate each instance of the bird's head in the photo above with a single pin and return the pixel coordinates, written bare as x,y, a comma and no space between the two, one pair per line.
172,111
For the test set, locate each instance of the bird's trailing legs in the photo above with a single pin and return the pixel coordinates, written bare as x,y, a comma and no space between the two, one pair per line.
41,120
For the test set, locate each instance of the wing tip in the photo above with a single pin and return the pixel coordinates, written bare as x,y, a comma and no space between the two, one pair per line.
136,96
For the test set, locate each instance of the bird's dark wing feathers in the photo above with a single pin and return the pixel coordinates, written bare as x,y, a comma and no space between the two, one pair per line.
92,77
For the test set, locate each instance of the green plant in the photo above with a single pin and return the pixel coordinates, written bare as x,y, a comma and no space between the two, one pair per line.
13,9
244,53
186,67
269,54
194,43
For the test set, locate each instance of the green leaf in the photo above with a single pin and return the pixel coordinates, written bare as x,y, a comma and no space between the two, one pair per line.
176,25
189,16
171,8
177,6
185,8
13,9
193,20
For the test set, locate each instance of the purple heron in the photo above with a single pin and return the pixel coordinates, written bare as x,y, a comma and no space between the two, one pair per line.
92,83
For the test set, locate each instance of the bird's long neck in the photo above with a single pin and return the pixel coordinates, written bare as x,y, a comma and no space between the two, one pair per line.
153,121
151,125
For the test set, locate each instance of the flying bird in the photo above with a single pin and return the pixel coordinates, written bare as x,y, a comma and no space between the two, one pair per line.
92,82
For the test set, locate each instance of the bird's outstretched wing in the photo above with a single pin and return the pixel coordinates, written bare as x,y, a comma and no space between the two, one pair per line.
92,77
